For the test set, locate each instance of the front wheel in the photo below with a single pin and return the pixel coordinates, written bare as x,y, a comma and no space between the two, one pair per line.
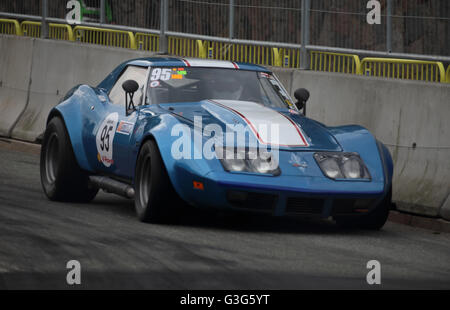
155,198
61,177
375,220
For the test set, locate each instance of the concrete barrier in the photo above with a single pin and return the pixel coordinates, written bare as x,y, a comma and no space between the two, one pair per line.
56,68
409,117
15,71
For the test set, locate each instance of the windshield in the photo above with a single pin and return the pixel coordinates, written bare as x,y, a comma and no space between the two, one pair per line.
192,84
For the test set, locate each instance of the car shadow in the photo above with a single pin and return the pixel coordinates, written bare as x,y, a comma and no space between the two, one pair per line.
233,221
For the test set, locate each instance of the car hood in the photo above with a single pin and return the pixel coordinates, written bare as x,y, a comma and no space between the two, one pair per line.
290,130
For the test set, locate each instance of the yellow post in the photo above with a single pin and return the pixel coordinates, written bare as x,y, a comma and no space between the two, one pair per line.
277,60
448,74
201,46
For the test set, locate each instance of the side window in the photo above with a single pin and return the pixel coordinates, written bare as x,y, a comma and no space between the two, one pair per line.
117,95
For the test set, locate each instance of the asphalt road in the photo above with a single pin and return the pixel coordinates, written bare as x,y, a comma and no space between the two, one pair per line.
204,251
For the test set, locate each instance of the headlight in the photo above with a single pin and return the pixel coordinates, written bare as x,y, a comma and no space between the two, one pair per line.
248,161
342,165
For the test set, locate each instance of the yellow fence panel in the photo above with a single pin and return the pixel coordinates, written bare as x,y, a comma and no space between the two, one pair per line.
260,55
185,47
108,37
55,31
147,41
10,26
430,71
334,62
31,29
60,32
288,58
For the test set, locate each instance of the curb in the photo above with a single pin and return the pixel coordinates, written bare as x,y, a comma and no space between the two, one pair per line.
20,146
434,224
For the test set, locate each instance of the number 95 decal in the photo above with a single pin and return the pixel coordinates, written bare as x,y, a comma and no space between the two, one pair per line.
105,138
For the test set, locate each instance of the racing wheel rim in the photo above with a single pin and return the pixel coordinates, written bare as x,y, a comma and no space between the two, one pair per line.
144,184
51,158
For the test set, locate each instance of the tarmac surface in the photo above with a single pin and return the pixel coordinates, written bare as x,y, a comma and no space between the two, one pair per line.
203,251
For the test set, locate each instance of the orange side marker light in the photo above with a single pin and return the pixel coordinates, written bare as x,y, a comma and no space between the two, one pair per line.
198,185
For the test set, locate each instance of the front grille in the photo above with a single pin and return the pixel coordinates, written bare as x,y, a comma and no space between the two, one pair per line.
296,205
251,200
343,206
348,206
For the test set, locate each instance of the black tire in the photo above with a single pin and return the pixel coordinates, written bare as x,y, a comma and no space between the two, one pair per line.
61,177
155,199
375,220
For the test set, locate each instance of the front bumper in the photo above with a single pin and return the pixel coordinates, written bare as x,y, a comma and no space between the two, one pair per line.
280,196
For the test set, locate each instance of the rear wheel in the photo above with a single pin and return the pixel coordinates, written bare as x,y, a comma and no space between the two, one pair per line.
61,177
155,199
374,220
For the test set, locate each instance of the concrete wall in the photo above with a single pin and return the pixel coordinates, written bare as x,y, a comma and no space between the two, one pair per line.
15,71
35,73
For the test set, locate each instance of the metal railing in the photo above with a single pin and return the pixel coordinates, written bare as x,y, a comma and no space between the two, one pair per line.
413,26
31,29
335,62
147,41
430,71
256,54
10,26
108,37
56,31
184,47
321,35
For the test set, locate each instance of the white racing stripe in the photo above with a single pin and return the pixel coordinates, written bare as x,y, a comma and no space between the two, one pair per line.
261,120
191,62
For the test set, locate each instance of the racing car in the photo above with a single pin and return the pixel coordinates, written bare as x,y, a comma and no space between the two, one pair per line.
164,128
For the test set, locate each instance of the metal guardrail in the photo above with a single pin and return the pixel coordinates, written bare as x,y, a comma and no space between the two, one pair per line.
56,31
10,26
430,71
147,41
102,36
335,62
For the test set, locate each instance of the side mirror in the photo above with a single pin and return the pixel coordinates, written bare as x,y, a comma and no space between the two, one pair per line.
302,95
130,87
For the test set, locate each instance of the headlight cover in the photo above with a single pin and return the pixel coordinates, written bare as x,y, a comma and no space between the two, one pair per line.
342,166
251,161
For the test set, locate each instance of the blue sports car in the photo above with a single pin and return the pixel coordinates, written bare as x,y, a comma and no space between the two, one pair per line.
216,134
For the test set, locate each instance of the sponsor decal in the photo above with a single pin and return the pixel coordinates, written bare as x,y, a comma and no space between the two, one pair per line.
125,127
154,84
165,74
105,138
